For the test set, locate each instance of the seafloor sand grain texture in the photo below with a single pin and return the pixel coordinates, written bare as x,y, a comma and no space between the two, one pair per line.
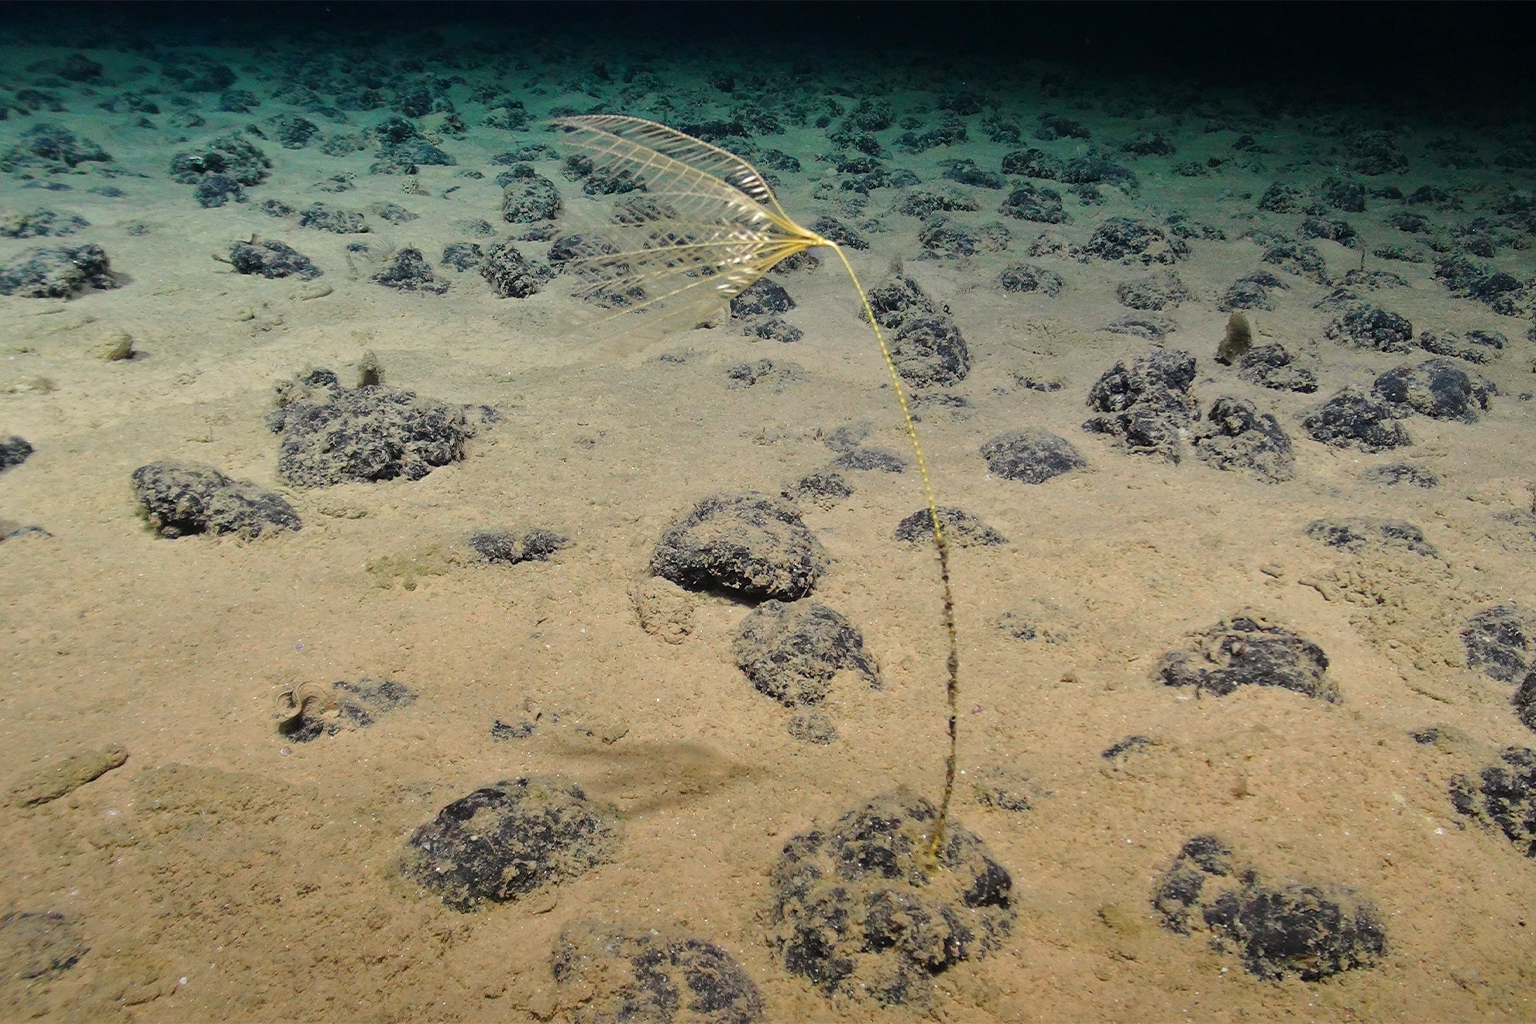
366,652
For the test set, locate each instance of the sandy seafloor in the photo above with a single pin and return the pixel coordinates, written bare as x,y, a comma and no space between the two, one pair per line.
226,872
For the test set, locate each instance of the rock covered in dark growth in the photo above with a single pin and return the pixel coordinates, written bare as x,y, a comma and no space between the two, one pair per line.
1372,328
1271,366
272,259
502,547
961,528
228,155
1498,640
1396,473
1251,291
928,350
408,271
1236,436
1130,241
1146,404
1035,203
1027,277
1244,650
749,544
462,256
1350,418
1358,533
325,218
1502,797
791,651
529,198
51,148
1437,388
899,300
1031,456
1524,701
1152,292
649,975
508,840
57,273
402,148
214,190
40,223
1474,346
1311,931
197,72
181,498
333,434
762,298
14,450
512,275
857,915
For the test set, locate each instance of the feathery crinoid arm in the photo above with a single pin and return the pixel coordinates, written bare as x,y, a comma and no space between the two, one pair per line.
605,137
698,227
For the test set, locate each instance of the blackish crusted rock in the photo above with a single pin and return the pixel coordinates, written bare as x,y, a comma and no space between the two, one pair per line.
502,547
181,498
1031,456
52,148
1153,292
929,350
650,976
510,839
1147,404
1131,241
1236,436
1474,346
1437,388
462,256
1025,277
1396,473
1502,797
310,712
409,271
228,155
272,259
1498,640
1372,328
1271,366
529,198
1249,651
899,300
39,223
512,275
856,914
1357,533
1350,418
1251,291
325,218
748,544
14,450
332,434
57,273
960,527
1311,931
761,299
1035,203
791,652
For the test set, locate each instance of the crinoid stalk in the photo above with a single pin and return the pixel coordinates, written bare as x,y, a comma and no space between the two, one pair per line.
695,226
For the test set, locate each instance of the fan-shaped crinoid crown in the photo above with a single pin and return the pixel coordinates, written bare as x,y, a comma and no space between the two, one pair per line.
692,225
